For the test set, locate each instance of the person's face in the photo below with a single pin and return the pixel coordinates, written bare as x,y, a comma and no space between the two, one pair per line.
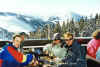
17,41
23,37
69,41
56,41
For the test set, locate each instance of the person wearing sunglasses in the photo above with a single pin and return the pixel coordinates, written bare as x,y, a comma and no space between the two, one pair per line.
74,56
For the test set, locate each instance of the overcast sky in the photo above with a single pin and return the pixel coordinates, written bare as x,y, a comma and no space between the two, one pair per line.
50,7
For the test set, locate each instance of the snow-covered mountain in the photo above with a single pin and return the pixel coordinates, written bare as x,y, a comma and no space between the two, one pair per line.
10,22
20,23
69,15
74,15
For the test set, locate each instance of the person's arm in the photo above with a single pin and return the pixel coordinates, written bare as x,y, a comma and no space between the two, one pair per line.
91,58
1,57
47,48
91,51
1,61
80,54
19,57
81,60
98,54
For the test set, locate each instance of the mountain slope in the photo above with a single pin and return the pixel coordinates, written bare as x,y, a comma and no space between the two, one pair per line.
20,23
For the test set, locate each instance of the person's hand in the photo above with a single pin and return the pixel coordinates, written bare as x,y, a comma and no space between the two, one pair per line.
34,63
46,52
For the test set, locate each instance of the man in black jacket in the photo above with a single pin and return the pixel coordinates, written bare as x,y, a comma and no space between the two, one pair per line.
74,53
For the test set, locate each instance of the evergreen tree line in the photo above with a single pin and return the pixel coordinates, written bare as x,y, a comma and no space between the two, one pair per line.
82,28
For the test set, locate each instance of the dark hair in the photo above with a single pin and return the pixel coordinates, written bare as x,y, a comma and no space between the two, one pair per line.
16,36
98,35
22,33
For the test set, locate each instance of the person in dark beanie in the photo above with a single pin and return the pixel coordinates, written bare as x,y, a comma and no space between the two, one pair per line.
54,48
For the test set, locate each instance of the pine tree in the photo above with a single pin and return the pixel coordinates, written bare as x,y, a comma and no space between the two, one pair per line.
57,28
96,17
63,28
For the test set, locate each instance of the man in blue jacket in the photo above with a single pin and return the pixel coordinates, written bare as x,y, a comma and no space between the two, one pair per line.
74,53
11,57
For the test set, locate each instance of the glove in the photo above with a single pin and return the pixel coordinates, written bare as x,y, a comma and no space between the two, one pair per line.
29,59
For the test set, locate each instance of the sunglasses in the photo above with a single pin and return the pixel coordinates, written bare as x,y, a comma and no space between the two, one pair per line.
68,39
